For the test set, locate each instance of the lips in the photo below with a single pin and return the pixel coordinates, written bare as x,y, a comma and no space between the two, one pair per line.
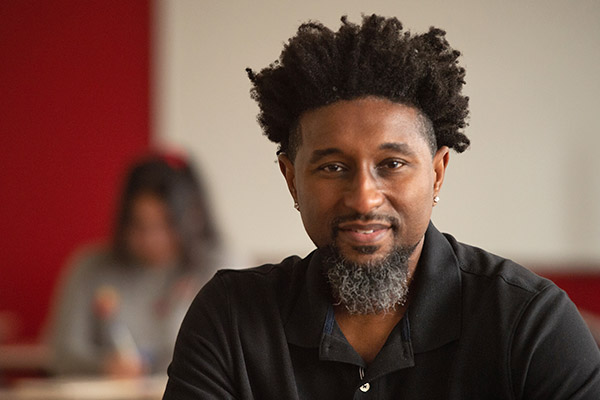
356,226
362,233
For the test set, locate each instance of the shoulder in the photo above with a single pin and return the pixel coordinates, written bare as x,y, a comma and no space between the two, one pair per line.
87,261
267,274
531,322
268,279
253,292
235,299
498,289
480,265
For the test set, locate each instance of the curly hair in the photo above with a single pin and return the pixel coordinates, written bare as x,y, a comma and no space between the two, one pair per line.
318,67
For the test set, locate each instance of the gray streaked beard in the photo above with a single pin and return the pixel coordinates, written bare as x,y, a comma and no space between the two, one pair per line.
370,288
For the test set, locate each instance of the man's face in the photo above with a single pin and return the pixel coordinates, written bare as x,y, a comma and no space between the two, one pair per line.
364,177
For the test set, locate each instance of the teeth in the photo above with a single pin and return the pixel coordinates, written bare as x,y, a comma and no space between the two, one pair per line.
365,232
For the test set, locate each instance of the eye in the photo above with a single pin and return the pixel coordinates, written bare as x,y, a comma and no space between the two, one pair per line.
331,168
392,164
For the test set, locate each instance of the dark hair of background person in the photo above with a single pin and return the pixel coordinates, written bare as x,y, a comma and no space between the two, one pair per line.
319,67
171,179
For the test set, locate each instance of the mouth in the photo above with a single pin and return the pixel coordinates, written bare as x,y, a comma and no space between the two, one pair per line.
358,233
365,233
365,229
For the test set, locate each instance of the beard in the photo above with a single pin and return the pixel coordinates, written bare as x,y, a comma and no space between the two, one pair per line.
374,287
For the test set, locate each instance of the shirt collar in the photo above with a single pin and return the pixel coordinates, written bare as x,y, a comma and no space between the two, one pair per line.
305,325
434,310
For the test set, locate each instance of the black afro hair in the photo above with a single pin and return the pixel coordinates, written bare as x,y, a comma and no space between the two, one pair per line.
318,67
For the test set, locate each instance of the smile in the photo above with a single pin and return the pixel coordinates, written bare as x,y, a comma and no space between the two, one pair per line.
363,227
364,232
361,234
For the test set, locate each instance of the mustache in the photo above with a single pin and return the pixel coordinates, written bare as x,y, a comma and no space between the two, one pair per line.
371,217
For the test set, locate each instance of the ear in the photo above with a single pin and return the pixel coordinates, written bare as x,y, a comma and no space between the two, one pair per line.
440,162
289,173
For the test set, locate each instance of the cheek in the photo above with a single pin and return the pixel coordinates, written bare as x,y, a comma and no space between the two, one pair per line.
414,205
316,212
165,243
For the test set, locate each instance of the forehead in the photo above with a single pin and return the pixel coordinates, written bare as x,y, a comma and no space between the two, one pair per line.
362,124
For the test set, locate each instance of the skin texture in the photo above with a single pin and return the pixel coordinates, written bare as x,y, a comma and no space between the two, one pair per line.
365,170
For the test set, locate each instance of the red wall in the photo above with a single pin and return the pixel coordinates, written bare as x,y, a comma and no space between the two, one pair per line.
74,110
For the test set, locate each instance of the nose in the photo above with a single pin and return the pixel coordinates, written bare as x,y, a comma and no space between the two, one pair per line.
364,193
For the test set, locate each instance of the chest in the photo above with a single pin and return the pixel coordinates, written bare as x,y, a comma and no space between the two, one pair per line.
445,373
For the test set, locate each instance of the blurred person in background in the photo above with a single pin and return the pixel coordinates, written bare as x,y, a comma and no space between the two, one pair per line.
119,307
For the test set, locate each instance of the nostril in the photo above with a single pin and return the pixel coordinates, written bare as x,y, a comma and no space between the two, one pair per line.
364,200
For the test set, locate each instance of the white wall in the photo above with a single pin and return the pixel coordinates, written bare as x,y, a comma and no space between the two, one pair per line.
527,189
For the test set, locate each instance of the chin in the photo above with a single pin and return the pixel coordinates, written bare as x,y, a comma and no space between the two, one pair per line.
364,255
366,250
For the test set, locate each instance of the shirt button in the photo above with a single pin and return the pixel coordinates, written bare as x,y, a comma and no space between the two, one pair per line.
365,388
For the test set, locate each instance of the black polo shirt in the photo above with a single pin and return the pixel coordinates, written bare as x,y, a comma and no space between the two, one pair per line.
477,327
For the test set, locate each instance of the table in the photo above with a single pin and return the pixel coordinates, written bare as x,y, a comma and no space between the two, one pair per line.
147,388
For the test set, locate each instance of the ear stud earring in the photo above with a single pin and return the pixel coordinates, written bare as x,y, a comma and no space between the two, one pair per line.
436,199
297,206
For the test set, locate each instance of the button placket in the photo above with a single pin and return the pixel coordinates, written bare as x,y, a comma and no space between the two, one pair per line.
366,386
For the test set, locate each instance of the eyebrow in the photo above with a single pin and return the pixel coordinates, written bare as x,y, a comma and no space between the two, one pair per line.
399,147
318,154
394,146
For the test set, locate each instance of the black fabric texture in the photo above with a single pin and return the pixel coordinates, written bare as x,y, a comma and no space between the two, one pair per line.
478,327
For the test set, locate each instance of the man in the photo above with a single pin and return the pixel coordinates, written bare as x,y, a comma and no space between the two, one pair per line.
387,307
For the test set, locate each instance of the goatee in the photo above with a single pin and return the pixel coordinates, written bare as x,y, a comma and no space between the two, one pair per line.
378,286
